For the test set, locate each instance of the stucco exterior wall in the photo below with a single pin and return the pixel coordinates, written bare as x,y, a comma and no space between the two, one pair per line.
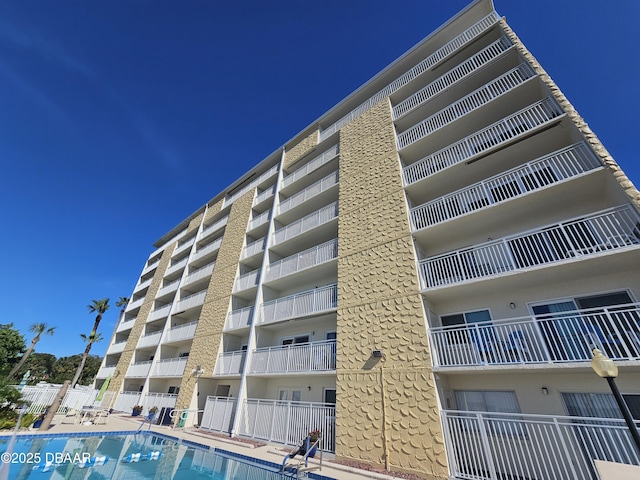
583,127
387,411
204,350
301,148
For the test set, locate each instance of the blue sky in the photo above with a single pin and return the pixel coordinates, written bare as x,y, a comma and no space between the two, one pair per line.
118,119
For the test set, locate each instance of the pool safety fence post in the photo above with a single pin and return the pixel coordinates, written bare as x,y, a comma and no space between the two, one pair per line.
51,412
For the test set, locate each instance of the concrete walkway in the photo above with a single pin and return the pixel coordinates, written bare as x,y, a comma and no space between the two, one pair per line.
272,453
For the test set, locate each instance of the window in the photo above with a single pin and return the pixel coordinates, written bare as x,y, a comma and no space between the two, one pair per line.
330,395
285,393
465,318
295,340
487,401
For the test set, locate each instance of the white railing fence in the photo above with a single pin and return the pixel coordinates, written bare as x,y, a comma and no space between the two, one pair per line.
314,164
170,367
315,219
239,318
40,397
300,304
160,400
496,446
230,363
126,401
552,338
288,422
604,231
219,414
310,357
309,192
181,332
305,259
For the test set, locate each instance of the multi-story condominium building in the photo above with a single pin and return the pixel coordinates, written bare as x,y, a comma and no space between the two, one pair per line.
421,274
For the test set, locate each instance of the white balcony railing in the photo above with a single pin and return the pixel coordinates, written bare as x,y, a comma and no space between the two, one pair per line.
181,332
142,285
185,246
312,165
453,76
264,195
230,363
199,274
239,318
313,220
128,325
309,192
160,400
170,367
214,227
287,422
219,413
262,178
310,357
601,232
132,305
254,248
246,281
209,248
150,339
168,288
177,266
492,446
106,371
151,264
467,104
535,116
443,52
159,312
126,401
301,304
117,347
191,301
553,338
306,259
139,369
259,220
553,168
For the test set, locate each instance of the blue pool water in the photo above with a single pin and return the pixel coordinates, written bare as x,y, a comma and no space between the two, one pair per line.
127,455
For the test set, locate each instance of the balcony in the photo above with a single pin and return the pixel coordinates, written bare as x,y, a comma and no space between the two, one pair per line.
214,227
287,422
261,179
149,340
126,401
467,104
181,332
106,371
151,264
592,235
192,301
207,249
312,165
168,288
552,338
258,221
159,312
160,400
535,175
219,413
170,367
142,285
453,76
311,191
176,267
117,347
490,446
128,325
263,196
254,248
306,358
199,274
436,57
184,247
317,218
230,363
527,120
134,304
246,281
139,369
301,261
311,302
240,318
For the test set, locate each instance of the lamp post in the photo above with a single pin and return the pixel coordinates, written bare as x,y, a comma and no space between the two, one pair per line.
606,368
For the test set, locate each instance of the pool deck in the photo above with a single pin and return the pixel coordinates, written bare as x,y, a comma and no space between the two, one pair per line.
272,453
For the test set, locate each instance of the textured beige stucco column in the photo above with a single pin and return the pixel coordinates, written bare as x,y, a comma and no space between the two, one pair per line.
384,406
204,349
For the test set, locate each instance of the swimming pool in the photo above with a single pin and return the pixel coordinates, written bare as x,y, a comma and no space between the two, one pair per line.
128,455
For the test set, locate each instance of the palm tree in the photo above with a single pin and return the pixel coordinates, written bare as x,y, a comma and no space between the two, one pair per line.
89,340
100,306
122,303
38,329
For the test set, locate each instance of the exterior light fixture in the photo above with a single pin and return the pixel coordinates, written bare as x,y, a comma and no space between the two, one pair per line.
377,354
607,369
